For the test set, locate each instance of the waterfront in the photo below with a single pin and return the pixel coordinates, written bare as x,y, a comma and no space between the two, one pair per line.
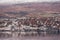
30,29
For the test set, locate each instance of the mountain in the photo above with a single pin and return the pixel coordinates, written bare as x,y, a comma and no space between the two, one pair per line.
30,9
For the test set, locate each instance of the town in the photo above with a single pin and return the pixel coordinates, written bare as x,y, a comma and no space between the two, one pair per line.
30,26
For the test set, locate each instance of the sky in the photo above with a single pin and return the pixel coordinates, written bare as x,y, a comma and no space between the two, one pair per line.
22,1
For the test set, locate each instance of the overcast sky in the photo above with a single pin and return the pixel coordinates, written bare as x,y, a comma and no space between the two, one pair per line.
22,1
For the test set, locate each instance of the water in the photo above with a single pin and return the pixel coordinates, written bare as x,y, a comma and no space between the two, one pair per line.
46,37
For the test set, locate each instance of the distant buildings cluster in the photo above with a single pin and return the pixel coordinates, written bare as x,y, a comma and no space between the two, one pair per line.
31,25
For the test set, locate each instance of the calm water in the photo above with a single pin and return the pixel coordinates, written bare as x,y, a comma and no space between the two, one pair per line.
47,37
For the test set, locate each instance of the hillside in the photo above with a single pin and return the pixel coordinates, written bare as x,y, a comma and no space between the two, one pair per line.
29,9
